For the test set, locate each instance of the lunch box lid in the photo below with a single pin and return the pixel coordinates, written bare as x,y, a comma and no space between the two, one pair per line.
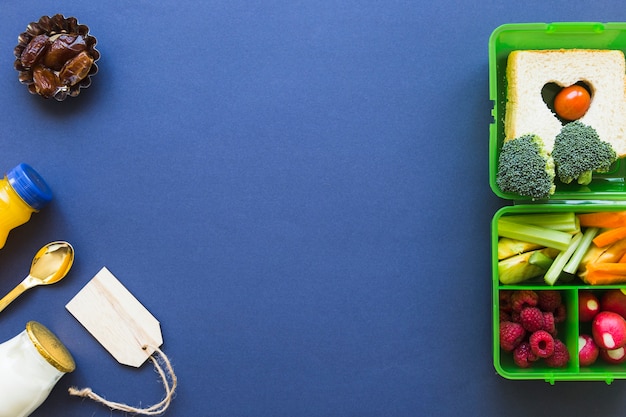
535,36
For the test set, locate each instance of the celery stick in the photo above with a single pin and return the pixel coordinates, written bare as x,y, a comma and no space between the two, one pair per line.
535,234
565,222
581,250
552,274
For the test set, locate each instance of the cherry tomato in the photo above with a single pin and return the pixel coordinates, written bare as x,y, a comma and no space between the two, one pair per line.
571,103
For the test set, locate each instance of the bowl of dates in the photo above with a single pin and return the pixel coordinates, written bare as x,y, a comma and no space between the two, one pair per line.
56,57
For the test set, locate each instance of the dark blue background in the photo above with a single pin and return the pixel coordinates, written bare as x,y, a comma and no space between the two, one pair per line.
297,190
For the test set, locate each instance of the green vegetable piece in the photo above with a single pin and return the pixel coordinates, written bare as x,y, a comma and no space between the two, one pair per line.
538,258
555,270
572,265
525,168
579,151
565,222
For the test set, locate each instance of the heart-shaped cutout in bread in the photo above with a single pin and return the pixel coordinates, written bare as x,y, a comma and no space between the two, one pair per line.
550,91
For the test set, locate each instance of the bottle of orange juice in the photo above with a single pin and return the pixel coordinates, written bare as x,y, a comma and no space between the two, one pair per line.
22,192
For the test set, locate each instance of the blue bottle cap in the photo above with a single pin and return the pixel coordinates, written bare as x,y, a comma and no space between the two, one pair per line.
29,185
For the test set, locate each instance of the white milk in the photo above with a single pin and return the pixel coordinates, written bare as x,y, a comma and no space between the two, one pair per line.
31,363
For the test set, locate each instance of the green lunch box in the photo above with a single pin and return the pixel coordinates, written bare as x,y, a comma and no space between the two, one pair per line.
606,192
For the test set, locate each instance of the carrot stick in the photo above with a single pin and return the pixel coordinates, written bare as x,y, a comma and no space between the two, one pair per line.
604,219
606,273
612,267
622,259
610,236
604,278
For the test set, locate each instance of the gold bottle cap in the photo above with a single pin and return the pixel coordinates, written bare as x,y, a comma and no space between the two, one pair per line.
50,347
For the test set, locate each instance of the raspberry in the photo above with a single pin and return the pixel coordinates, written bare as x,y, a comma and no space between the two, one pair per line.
505,316
560,314
542,343
511,335
549,300
524,298
523,355
532,319
505,300
515,317
560,357
548,323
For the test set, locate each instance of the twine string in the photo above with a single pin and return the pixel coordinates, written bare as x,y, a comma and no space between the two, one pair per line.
168,378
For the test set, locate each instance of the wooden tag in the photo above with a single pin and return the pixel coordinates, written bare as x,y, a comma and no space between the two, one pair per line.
116,319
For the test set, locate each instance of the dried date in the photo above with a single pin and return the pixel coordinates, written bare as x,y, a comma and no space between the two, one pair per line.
46,81
34,50
63,48
76,69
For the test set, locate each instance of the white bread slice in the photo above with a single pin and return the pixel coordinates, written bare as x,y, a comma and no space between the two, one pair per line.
604,71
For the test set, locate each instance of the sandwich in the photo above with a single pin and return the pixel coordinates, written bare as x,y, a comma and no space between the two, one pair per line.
603,71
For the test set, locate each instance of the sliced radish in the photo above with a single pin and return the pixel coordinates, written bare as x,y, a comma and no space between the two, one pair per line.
609,330
614,300
614,356
588,306
587,350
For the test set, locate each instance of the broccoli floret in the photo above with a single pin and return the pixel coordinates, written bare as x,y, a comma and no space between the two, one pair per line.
579,151
526,168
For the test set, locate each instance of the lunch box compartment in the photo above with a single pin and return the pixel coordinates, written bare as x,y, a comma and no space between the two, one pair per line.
525,36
